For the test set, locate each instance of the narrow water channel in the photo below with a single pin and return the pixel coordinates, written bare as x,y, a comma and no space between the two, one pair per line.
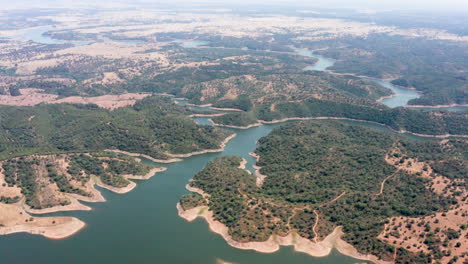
143,226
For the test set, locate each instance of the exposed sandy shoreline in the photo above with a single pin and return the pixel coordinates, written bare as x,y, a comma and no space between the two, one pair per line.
75,205
209,106
313,248
223,145
386,97
132,184
351,119
196,190
15,217
207,115
437,106
176,157
237,127
122,190
242,164
225,109
147,176
69,227
16,220
319,249
260,177
143,155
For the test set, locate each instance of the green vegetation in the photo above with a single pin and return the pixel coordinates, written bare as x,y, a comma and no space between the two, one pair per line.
192,200
333,169
242,102
9,200
21,172
422,122
70,173
62,181
434,67
241,119
154,126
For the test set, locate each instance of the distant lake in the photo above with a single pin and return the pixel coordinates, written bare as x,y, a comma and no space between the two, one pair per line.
143,226
37,35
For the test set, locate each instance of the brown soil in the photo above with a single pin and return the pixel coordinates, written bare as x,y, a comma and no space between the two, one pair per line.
14,219
31,97
411,233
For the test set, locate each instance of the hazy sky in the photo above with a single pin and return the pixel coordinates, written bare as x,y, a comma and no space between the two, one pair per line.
441,5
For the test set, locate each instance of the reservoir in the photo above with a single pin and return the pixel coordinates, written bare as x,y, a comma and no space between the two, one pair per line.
401,95
143,226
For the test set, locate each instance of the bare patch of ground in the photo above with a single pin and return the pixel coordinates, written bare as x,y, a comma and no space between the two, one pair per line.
31,97
447,229
14,219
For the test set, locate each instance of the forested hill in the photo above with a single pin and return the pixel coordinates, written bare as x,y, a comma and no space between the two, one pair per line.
329,174
434,67
153,126
400,119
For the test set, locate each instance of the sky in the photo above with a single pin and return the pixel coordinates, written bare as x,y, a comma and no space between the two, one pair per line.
418,5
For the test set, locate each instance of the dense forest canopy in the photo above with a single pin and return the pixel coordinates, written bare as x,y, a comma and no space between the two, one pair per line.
344,174
155,126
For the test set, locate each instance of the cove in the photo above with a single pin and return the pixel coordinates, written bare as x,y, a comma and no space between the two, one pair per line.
401,95
37,35
143,226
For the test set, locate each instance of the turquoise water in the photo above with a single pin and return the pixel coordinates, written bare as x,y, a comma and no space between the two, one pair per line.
37,35
321,65
143,226
401,95
401,98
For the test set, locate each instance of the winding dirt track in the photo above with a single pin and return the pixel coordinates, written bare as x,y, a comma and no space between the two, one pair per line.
317,215
382,185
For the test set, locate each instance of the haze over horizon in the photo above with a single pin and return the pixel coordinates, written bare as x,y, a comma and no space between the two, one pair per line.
412,5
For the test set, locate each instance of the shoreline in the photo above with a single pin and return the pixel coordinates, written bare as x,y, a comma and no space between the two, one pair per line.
315,249
61,227
222,146
143,155
208,105
243,164
132,185
393,95
122,190
236,127
207,115
56,232
437,106
260,178
74,205
225,109
402,131
17,220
